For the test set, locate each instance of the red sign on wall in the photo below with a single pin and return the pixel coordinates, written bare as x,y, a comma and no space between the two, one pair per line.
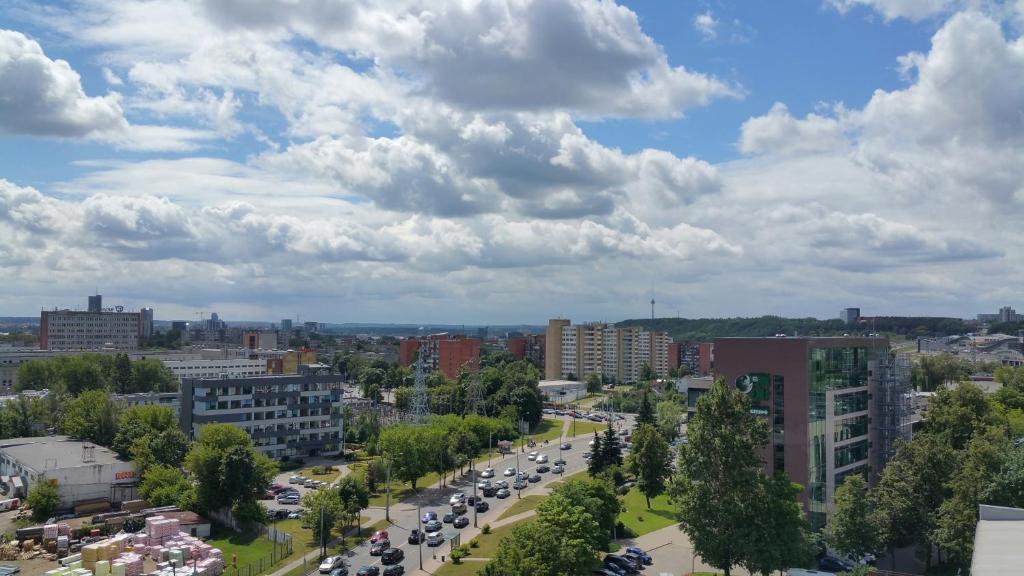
129,475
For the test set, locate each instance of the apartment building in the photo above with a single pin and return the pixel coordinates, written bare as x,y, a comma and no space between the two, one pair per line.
617,354
835,407
447,353
217,368
285,415
531,347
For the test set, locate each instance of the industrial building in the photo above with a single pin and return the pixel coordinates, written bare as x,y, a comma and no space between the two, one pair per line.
835,406
82,471
562,391
285,415
447,353
79,330
616,354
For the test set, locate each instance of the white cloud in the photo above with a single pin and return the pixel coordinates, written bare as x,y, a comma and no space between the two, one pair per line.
892,9
44,97
706,24
779,132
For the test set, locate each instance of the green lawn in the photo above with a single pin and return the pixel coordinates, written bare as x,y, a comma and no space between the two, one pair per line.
399,490
489,542
639,520
587,428
520,506
548,429
466,568
247,548
329,477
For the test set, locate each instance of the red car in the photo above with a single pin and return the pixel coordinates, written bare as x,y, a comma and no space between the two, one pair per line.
275,487
268,495
379,535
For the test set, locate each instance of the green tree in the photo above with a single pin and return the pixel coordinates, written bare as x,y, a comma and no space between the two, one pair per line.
149,375
646,373
206,462
593,383
123,381
955,415
409,451
164,486
353,496
645,412
598,497
611,448
323,510
717,468
649,461
1007,486
596,464
574,523
137,422
43,499
91,416
852,528
670,416
898,506
83,373
778,532
537,549
36,375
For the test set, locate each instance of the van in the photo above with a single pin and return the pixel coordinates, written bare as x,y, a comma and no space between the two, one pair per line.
806,572
435,539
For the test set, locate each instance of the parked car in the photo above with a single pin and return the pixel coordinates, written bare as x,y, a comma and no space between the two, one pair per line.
510,471
380,535
449,517
330,563
394,570
635,558
461,522
392,556
368,571
296,479
288,500
487,473
268,495
416,536
622,563
541,458
295,515
833,564
644,556
482,506
457,498
432,526
532,456
428,516
378,547
543,468
435,539
503,493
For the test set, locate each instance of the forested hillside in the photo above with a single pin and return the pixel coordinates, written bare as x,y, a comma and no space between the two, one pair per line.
711,328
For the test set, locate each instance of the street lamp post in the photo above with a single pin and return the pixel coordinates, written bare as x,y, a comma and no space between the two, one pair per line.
490,447
519,491
419,531
387,493
473,465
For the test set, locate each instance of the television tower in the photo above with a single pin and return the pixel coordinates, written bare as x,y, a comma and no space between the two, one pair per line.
652,308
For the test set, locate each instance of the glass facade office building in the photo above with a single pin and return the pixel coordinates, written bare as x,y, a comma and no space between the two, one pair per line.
820,406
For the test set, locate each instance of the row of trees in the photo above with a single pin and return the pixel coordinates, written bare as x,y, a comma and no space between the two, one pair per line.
83,372
443,445
928,494
574,522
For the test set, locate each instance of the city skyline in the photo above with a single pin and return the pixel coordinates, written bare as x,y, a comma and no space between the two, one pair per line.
425,162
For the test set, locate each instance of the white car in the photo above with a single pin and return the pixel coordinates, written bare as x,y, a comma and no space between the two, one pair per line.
483,484
457,498
296,479
330,563
542,458
435,539
532,456
510,471
487,473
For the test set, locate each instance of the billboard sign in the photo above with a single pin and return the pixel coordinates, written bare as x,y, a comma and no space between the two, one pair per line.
755,385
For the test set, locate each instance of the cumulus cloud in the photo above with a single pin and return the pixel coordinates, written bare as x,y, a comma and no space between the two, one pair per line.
893,9
778,132
44,97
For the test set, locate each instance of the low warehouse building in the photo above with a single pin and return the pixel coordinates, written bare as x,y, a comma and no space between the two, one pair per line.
82,471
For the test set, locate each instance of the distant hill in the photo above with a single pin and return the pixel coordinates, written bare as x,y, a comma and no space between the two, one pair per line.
706,329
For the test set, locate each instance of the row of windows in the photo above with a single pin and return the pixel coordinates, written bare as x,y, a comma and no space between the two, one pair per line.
849,403
850,453
851,428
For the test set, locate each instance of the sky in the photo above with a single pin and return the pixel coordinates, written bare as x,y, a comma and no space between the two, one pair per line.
507,161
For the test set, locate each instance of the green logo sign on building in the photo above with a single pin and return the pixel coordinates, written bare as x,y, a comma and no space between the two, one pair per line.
754,385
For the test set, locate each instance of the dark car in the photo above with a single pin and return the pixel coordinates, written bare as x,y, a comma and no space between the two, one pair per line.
644,556
471,501
448,518
428,516
559,462
621,562
482,506
461,522
833,564
378,547
392,556
368,571
503,493
607,571
432,526
634,558
396,570
543,468
343,571
534,478
416,537
490,491
566,445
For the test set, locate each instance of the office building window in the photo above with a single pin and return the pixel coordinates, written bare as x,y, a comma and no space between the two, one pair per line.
849,403
850,453
851,428
778,424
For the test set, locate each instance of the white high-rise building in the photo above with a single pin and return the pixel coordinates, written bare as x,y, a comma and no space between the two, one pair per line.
617,354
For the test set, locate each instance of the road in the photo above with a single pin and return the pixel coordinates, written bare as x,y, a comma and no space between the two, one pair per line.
405,515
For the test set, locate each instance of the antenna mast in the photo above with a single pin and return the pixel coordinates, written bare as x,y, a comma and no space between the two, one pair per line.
419,398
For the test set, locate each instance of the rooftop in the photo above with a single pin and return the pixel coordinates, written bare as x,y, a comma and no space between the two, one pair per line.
53,452
997,549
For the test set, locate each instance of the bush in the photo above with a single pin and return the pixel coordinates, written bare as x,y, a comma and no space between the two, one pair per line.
486,529
474,543
43,500
290,464
457,555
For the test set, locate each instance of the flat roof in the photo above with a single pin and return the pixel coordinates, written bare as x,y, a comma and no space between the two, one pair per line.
55,452
997,540
560,383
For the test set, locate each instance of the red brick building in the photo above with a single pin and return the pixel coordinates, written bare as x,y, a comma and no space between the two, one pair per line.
444,352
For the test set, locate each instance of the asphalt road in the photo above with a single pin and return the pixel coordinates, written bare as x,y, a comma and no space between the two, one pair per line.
404,515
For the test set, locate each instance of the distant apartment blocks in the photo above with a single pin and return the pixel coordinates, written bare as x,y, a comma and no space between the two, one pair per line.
616,354
444,352
1005,314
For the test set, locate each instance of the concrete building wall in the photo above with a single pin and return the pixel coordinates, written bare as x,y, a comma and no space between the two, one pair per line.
77,330
553,349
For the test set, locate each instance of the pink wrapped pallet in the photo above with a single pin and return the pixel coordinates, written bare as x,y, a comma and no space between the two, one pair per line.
63,529
49,532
